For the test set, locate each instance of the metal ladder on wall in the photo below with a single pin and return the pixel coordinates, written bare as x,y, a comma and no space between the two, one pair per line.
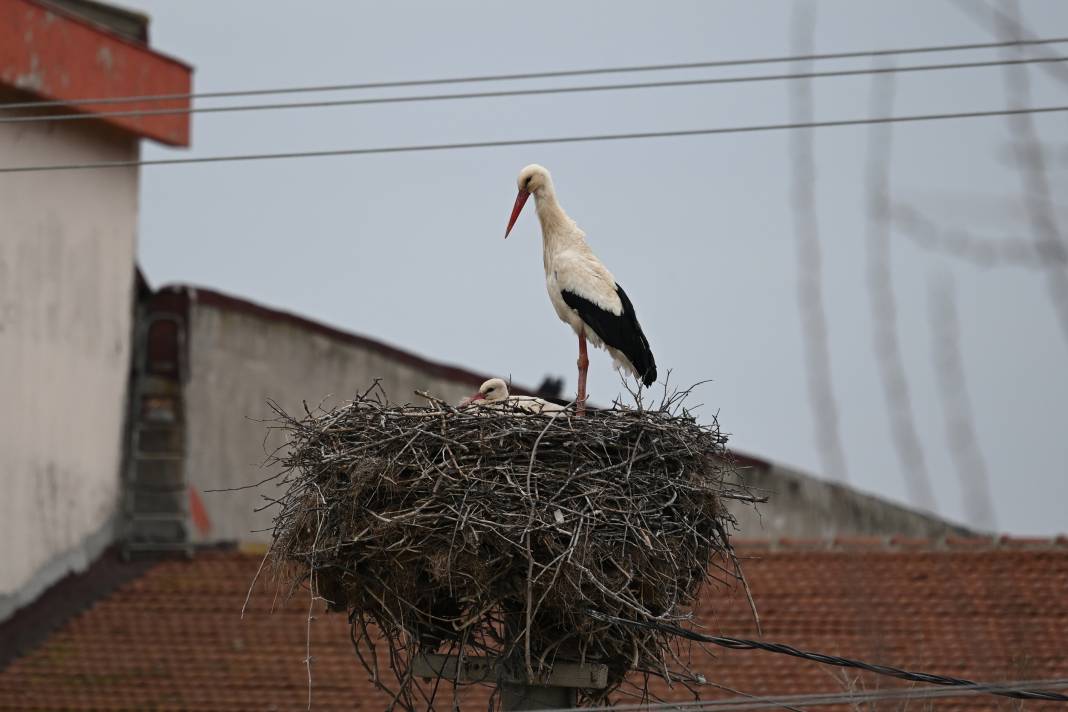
155,493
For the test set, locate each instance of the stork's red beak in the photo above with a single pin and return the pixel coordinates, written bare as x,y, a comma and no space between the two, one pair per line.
520,201
472,399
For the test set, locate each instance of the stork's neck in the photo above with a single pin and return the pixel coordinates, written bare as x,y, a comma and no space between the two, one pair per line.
558,231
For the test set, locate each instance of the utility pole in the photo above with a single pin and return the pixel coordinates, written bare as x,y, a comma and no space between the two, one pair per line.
556,689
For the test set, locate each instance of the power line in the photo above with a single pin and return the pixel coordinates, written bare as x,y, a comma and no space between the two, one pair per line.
537,141
36,118
783,649
828,698
753,698
538,75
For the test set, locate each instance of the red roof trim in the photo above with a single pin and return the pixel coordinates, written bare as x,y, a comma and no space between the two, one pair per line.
68,14
56,55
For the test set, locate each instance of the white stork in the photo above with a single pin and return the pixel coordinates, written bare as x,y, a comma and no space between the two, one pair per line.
494,393
584,293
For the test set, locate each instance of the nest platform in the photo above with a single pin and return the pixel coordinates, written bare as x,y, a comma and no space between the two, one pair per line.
498,532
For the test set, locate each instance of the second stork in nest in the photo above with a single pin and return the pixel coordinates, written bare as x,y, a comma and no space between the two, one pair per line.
584,293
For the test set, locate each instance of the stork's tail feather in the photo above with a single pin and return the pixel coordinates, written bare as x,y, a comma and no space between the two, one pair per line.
620,333
637,361
644,366
636,346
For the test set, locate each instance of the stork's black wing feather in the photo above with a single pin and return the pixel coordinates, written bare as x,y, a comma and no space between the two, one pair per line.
622,332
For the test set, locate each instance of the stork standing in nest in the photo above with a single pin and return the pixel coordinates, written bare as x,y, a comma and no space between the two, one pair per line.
583,292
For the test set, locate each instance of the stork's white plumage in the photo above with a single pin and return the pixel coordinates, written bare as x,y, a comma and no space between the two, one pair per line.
494,393
583,292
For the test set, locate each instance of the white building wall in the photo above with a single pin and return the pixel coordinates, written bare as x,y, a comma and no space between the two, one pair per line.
801,506
237,361
67,248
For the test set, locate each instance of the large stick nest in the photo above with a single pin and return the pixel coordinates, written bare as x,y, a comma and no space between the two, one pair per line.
493,531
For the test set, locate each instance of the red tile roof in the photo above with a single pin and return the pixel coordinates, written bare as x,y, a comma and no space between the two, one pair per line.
988,610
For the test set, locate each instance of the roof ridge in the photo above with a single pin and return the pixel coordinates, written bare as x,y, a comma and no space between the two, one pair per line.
232,302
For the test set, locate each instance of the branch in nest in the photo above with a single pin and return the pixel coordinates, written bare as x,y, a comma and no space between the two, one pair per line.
496,532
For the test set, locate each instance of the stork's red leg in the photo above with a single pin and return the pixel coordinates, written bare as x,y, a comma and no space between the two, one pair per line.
583,365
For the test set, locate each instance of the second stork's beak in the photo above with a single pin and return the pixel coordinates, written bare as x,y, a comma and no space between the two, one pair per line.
520,201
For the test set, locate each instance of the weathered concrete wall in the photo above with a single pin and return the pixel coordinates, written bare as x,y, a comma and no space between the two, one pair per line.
803,507
67,246
237,361
241,355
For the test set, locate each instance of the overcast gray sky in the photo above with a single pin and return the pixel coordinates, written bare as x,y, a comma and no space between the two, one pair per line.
407,248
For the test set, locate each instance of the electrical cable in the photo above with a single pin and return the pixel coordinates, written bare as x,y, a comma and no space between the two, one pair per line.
737,704
535,141
537,75
782,649
38,118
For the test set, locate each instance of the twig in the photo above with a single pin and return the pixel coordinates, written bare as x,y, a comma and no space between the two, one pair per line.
435,525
